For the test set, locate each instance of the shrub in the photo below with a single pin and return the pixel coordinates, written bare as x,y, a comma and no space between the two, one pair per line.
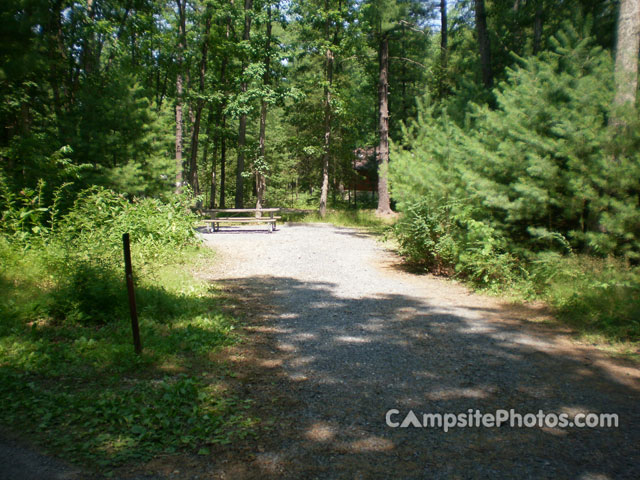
80,253
595,295
445,238
543,166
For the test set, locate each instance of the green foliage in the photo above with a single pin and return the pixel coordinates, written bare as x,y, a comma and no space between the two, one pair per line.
540,169
597,296
542,172
65,332
447,239
75,108
115,424
348,218
51,371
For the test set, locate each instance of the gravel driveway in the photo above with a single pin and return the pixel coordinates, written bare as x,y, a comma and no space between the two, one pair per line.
353,336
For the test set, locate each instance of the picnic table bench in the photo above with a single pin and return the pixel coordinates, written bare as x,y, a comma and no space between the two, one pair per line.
215,218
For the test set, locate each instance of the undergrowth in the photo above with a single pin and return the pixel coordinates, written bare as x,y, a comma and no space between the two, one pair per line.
597,296
69,377
348,218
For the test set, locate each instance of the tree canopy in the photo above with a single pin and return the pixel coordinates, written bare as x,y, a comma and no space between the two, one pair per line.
499,105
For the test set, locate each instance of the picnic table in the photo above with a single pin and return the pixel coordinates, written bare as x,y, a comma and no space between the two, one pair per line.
229,215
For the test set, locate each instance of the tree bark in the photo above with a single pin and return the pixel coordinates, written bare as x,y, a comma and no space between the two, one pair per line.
626,68
193,163
384,206
404,74
444,34
484,44
326,155
179,91
57,58
205,150
242,135
223,121
223,160
242,128
537,26
444,48
179,133
87,60
261,183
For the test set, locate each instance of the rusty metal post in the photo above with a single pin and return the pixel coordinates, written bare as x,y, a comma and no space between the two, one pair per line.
132,297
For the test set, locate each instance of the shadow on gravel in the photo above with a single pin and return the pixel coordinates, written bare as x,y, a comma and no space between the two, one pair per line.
345,362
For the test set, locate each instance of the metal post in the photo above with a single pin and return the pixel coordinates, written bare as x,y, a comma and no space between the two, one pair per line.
132,297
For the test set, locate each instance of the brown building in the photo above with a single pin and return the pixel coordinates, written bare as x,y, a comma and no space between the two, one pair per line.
366,168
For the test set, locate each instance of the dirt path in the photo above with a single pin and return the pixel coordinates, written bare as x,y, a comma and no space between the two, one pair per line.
345,336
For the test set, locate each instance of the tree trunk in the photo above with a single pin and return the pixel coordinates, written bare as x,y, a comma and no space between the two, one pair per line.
484,44
86,55
537,26
242,128
179,133
223,160
162,93
179,91
326,155
324,193
193,163
444,34
261,183
444,48
205,151
242,134
626,68
383,149
404,74
57,58
223,122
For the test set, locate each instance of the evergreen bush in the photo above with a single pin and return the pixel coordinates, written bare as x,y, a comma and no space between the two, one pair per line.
543,169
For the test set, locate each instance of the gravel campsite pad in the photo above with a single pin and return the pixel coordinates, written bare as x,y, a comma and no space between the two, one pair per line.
350,335
336,334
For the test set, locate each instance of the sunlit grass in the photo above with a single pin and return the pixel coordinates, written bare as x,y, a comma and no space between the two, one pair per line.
347,218
596,296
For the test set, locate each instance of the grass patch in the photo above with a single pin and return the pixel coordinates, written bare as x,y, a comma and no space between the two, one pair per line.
80,390
346,218
69,378
600,298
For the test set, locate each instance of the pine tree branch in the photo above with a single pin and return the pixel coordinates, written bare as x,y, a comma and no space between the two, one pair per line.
408,60
411,26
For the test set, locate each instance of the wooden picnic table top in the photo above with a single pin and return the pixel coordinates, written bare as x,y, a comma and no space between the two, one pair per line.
242,220
240,210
